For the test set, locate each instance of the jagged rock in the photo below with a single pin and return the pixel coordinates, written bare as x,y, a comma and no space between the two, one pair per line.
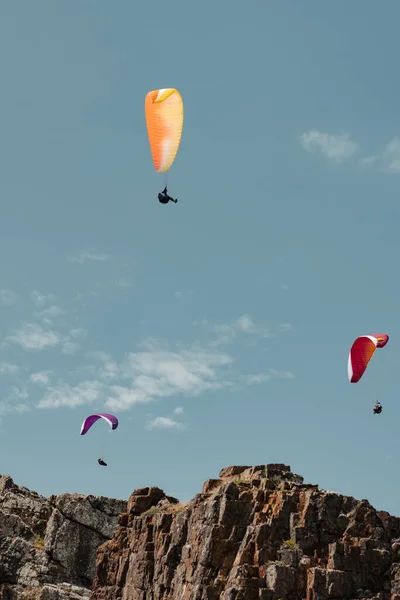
48,546
143,499
63,592
256,533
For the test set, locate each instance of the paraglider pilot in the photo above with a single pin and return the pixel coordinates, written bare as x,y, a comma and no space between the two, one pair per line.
164,198
101,462
377,408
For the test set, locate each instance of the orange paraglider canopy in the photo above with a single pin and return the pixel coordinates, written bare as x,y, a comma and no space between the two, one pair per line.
164,120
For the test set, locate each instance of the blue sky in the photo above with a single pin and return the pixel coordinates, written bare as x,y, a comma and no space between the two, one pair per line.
217,329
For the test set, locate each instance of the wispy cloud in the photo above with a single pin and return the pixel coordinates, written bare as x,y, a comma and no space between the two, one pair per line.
14,402
281,374
369,161
84,256
257,378
162,373
285,327
7,368
32,336
18,393
123,283
47,315
388,160
143,377
41,377
40,299
340,148
337,148
8,297
391,156
64,394
69,347
7,407
165,423
155,371
78,332
243,325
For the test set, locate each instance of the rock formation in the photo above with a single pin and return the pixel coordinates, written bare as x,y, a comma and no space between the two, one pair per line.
48,546
256,533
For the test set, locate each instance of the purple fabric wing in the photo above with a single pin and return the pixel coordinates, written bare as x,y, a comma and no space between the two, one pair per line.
88,422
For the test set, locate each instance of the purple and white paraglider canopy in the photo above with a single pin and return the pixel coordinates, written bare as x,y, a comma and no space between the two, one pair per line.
89,421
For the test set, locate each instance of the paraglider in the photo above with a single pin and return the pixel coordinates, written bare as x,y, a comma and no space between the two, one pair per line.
89,421
164,121
361,353
377,408
164,198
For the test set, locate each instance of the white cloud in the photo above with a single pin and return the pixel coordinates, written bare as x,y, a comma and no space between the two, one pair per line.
41,299
33,337
6,408
153,372
8,296
368,161
51,311
387,160
285,327
78,332
83,256
143,377
160,374
12,403
109,369
243,325
391,156
123,283
69,347
41,377
48,314
335,147
98,355
340,148
18,393
86,392
281,374
8,368
164,423
122,397
258,378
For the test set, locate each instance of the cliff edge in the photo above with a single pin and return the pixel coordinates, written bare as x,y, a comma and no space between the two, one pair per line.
48,546
256,533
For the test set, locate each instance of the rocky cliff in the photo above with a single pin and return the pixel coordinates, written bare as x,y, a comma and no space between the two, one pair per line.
48,546
256,533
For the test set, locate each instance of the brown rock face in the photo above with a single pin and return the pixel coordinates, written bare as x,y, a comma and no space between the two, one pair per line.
48,546
256,533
